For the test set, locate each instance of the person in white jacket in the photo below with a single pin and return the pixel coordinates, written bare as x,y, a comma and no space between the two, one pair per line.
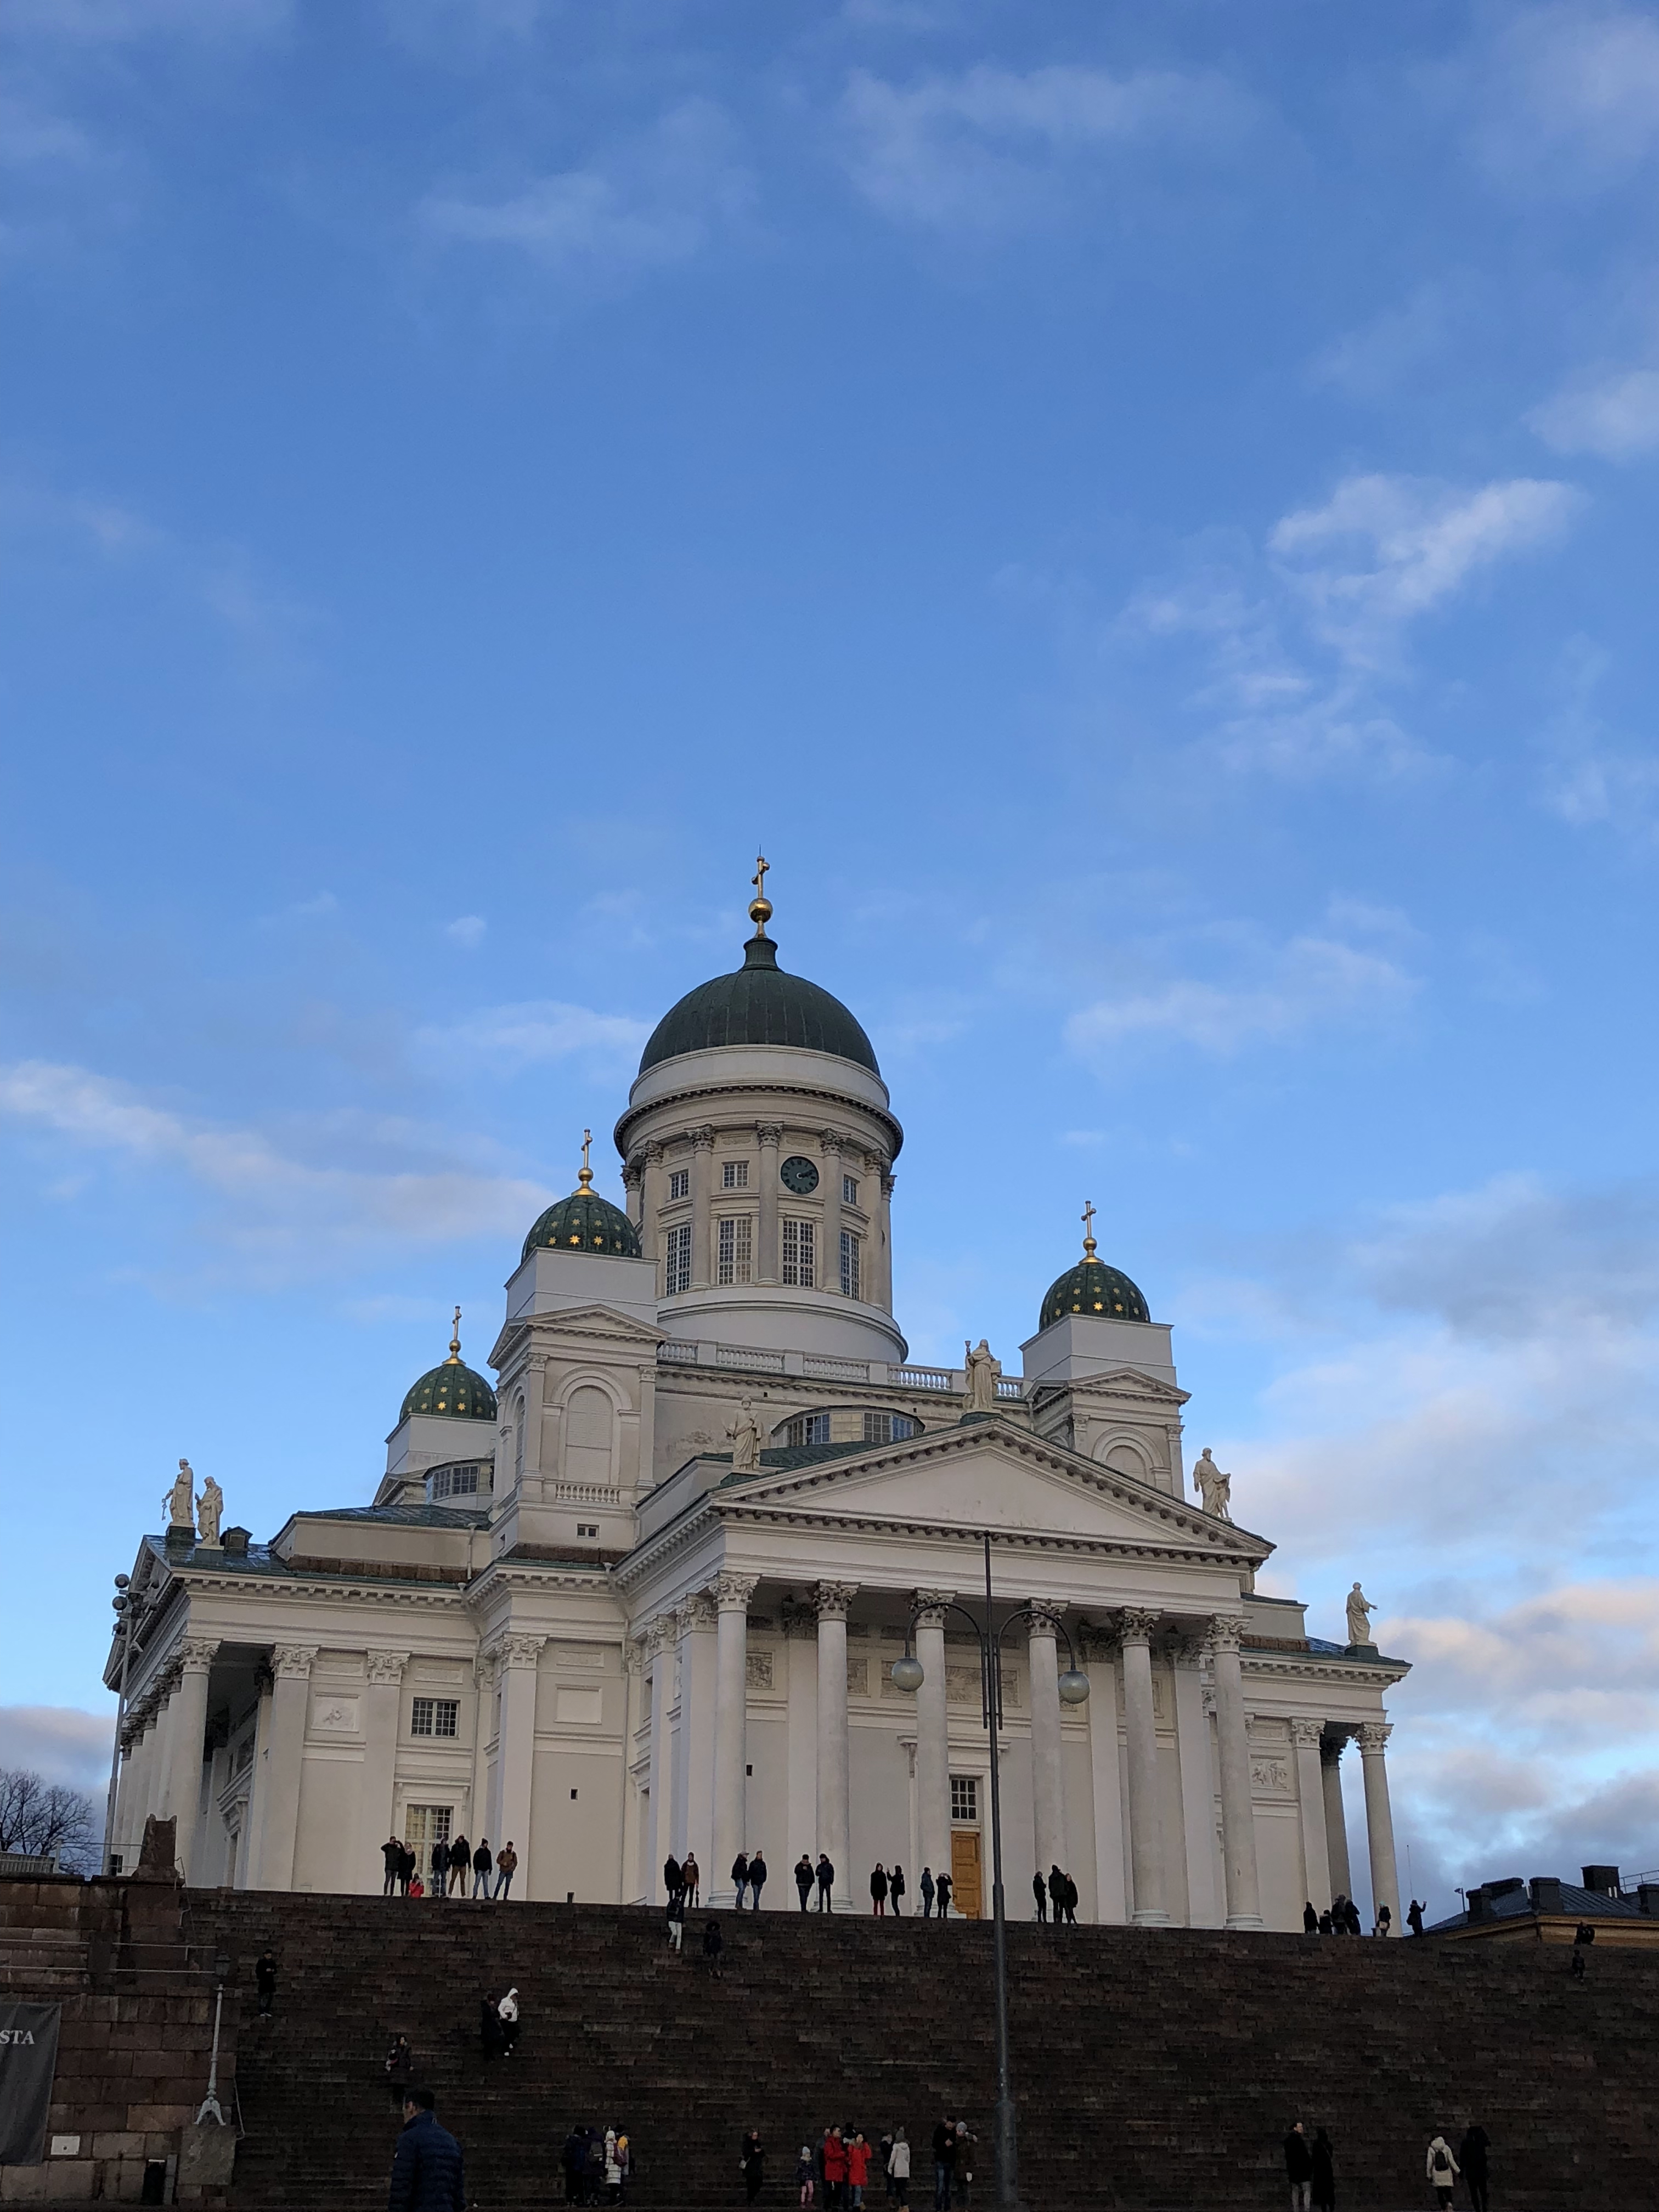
898,2166
1443,2170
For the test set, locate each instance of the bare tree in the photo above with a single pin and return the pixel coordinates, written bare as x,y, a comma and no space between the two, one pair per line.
41,1820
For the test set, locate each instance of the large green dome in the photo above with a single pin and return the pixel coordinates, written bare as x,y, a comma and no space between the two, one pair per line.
453,1392
585,1222
1091,1287
759,1003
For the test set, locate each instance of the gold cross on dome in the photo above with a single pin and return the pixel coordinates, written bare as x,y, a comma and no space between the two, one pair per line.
455,1358
584,1179
761,867
1087,1217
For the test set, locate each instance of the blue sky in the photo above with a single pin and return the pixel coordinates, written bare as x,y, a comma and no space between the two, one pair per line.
1146,514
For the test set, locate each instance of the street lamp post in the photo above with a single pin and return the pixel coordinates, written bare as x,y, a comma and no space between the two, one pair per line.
908,1675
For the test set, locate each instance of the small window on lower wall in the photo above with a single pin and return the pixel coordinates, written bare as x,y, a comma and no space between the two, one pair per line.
433,1716
587,1527
965,1797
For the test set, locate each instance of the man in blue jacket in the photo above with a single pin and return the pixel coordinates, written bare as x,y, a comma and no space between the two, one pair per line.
426,2172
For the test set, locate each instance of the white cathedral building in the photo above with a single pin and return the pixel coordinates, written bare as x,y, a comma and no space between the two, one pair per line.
646,1592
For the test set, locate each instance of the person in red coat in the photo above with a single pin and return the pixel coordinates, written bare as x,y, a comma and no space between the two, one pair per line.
858,2168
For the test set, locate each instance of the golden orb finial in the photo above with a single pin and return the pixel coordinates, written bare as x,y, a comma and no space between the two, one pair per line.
585,1175
759,907
454,1358
1088,1220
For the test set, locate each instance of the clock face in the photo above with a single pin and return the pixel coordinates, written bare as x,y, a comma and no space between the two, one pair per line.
799,1175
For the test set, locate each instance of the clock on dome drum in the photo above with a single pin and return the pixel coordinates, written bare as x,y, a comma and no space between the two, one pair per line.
799,1175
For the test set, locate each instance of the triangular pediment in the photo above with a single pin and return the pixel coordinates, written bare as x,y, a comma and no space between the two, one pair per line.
1124,1382
588,1321
989,1476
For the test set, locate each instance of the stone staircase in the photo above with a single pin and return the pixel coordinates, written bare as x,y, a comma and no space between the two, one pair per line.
1152,2068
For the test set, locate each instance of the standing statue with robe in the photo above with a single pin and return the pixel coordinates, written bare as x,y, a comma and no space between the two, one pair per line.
179,1503
982,1371
1360,1610
745,1440
209,1512
1213,1486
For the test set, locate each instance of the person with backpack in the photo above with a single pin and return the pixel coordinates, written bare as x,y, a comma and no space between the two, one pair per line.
1442,2171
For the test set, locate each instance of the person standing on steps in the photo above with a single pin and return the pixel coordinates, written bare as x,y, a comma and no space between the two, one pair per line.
942,1889
1414,1918
753,2161
1309,1919
806,2177
439,1868
945,2160
264,1981
1472,2157
509,2010
740,1877
803,1879
460,1862
691,1880
1040,1891
962,2175
1442,2170
675,1914
489,2027
713,1944
835,2169
400,2070
1299,2167
673,1882
506,1865
1070,1902
1324,2174
826,1881
858,2170
1057,1893
878,1890
926,1889
427,2173
392,1852
757,1874
896,1890
898,2167
1327,1925
482,1865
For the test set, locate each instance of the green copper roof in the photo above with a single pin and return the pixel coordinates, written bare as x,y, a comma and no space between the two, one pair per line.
453,1391
759,1005
1093,1287
585,1222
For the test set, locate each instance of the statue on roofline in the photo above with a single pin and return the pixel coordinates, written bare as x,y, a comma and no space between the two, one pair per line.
179,1503
745,1440
209,1512
1213,1486
982,1371
1360,1610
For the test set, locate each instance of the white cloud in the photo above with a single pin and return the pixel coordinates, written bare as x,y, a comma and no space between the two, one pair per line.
467,931
1617,418
1385,549
284,1213
657,199
61,1744
536,1031
1311,982
1567,96
987,147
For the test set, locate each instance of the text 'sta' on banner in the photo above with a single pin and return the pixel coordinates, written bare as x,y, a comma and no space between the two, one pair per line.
29,2059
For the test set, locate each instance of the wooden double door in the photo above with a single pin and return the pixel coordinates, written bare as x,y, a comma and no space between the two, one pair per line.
967,1885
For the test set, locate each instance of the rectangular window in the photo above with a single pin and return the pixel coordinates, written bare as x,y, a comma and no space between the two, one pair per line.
849,1190
801,1262
679,1183
452,1482
735,1254
676,1260
965,1797
808,1429
587,1527
887,1428
433,1716
424,1826
852,1274
734,1174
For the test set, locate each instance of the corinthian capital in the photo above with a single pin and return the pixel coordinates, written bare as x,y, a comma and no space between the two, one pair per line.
1044,1617
1373,1737
931,1605
1225,1631
1305,1733
663,1633
521,1650
832,1141
385,1667
698,1611
197,1653
734,1592
291,1663
770,1132
703,1139
1137,1624
831,1600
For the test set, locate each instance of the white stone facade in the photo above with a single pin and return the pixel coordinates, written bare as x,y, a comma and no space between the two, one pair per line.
614,1646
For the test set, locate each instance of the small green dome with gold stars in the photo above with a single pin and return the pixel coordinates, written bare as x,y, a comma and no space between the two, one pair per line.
453,1392
585,1222
1093,1288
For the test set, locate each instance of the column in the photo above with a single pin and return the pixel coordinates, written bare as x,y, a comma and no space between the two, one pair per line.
258,1784
801,1659
160,1767
650,1201
1047,1800
832,1600
183,1787
692,1828
1237,1797
480,1809
376,1803
660,1644
768,1259
1336,1820
731,1596
633,1884
1135,1626
1106,1781
1310,1799
933,1736
129,1806
1197,1787
829,1144
535,1391
702,1178
516,1755
290,1665
883,1256
632,1172
1379,1820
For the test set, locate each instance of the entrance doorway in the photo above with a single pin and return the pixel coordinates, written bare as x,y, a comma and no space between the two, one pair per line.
967,1884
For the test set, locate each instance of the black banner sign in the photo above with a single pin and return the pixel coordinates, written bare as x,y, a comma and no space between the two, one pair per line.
29,2059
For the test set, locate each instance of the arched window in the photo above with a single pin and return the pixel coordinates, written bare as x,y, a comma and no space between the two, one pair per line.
1125,1458
587,1425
